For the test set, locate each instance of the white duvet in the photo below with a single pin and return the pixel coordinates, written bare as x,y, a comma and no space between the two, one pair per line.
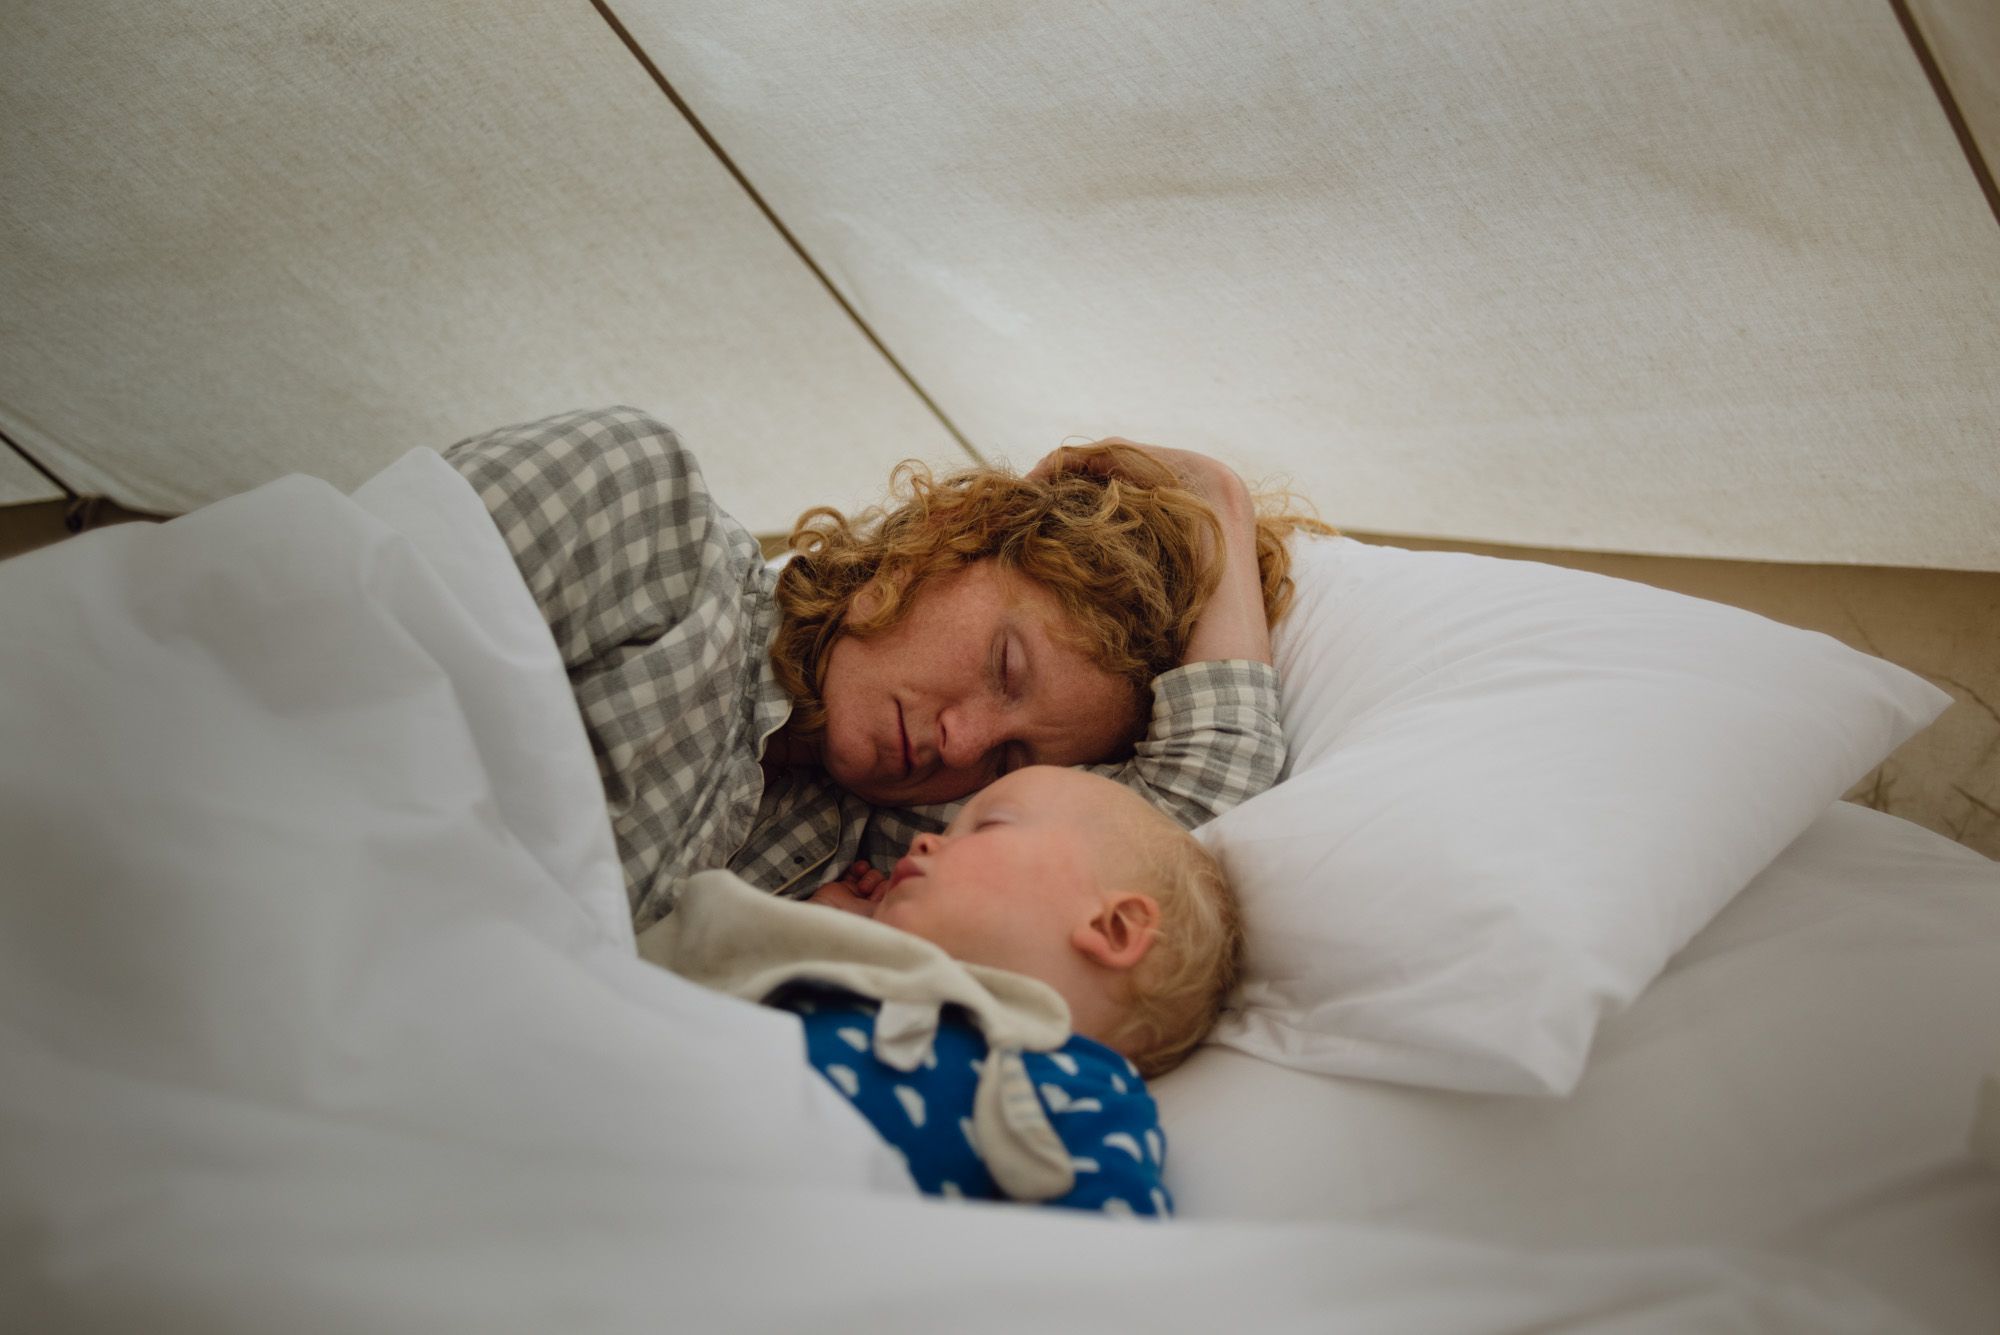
319,1011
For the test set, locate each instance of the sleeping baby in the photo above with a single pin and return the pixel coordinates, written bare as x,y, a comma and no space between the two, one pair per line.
1059,941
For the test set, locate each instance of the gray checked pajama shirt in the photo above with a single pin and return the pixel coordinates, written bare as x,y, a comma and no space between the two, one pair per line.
661,605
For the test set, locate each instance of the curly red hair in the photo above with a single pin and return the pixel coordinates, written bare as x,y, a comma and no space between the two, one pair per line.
1123,556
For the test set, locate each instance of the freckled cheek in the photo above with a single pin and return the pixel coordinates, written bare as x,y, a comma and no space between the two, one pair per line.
848,685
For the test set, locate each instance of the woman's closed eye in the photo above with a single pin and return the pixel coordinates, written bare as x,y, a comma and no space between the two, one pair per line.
1013,668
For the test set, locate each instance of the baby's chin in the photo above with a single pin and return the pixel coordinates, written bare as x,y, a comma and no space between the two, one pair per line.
902,909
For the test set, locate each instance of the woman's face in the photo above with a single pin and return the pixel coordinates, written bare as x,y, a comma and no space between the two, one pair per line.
975,681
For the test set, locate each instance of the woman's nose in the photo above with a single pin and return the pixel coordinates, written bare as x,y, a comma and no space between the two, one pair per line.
966,733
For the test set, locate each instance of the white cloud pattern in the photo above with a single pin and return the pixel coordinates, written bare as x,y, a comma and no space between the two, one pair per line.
1059,1101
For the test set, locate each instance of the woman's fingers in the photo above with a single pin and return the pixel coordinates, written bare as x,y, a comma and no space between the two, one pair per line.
1072,459
1231,624
1091,456
1207,477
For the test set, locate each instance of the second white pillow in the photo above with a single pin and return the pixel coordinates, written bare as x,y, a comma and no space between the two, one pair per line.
1514,791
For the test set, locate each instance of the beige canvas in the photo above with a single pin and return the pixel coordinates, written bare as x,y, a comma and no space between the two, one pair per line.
20,483
1652,275
239,241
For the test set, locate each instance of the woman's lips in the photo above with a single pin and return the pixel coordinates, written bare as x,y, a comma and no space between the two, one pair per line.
902,731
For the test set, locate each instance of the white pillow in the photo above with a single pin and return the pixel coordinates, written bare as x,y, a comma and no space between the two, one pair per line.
1514,791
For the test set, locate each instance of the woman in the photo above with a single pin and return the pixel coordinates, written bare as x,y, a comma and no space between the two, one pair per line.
1111,608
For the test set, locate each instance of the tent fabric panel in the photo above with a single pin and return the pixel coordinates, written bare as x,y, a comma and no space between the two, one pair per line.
20,484
243,242
1653,275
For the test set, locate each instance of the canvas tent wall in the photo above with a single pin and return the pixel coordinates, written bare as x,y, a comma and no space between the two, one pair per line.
1663,277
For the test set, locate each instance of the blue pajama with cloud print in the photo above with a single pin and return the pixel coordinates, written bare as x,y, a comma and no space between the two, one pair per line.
1096,1101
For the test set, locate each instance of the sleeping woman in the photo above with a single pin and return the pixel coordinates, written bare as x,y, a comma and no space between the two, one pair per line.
1111,608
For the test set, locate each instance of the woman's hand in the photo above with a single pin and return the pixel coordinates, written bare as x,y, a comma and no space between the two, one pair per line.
1232,625
855,891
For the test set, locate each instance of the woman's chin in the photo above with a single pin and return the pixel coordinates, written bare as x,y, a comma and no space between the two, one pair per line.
881,790
865,781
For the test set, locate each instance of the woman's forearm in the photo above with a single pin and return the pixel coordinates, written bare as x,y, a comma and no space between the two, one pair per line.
1232,625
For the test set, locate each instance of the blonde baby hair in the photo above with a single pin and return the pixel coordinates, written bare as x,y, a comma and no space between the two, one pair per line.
1176,993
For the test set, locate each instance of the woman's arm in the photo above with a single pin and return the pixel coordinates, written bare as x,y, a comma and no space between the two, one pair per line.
1232,624
1214,739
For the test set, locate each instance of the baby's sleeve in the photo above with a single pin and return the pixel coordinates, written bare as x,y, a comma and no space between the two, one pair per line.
1100,1108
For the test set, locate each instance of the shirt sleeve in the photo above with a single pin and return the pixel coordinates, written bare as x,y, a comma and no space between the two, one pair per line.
609,520
660,605
1105,1117
1213,742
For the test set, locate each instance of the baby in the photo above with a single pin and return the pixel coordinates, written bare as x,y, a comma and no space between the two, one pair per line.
1072,879
1058,941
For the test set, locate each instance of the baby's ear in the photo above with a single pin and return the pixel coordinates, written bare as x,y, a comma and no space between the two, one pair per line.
1121,932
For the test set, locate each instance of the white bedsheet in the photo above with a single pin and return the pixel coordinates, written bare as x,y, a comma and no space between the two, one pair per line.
318,1010
1801,1080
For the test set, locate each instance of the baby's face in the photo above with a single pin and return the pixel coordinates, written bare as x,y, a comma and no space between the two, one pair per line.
1014,874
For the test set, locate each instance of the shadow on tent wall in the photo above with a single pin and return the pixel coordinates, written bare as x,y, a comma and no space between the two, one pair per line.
39,523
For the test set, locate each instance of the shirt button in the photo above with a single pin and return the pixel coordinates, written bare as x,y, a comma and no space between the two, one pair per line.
798,861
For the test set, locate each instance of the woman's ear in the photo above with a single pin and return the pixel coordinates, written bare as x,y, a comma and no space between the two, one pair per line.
1121,932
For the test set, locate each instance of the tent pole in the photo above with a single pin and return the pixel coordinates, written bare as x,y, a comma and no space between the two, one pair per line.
1966,140
68,491
694,122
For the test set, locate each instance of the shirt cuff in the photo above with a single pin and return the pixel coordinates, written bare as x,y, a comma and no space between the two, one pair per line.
1237,683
